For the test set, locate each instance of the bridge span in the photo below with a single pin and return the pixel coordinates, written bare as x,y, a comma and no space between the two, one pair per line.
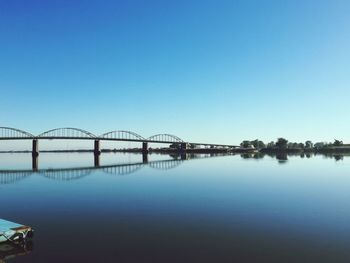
69,133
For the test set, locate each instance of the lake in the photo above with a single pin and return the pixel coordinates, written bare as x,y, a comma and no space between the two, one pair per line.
167,209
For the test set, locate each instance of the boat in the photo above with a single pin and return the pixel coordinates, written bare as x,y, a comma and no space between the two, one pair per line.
13,232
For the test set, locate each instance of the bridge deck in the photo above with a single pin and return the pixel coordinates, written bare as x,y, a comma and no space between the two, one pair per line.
69,133
114,139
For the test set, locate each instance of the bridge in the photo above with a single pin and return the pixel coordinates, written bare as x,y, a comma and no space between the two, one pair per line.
69,133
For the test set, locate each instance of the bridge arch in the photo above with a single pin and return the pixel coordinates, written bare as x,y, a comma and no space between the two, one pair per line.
66,132
10,177
65,174
122,169
120,134
165,165
8,132
165,137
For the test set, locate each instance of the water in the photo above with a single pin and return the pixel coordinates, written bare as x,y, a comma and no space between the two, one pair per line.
219,209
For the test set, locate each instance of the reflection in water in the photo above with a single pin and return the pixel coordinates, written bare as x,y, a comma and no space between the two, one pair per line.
282,157
227,209
75,173
10,250
338,157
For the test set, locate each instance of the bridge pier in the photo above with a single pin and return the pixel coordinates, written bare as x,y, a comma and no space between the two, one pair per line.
35,162
96,160
35,148
145,147
183,147
97,150
144,158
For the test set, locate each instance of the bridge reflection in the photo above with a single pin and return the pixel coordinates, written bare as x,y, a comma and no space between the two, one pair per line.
76,173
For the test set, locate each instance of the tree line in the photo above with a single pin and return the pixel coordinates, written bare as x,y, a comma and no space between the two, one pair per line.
284,144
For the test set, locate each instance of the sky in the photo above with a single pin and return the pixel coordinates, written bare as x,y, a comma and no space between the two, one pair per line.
206,71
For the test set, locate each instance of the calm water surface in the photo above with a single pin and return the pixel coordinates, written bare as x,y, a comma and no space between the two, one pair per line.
219,209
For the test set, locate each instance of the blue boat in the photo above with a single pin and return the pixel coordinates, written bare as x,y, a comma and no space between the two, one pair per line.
13,232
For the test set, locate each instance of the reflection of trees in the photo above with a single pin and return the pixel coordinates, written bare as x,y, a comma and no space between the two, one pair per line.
246,156
281,157
338,157
257,155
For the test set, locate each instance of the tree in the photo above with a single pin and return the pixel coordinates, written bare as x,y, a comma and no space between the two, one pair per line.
271,145
319,145
174,146
308,144
281,143
258,144
337,143
246,144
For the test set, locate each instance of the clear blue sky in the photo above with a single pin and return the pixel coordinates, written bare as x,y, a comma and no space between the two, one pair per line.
207,71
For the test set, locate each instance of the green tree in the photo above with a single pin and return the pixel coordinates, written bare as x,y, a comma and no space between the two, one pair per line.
246,144
281,143
271,145
337,143
309,145
258,144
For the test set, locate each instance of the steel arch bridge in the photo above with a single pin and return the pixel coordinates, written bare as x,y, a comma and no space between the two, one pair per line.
66,133
122,136
14,134
9,133
165,138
